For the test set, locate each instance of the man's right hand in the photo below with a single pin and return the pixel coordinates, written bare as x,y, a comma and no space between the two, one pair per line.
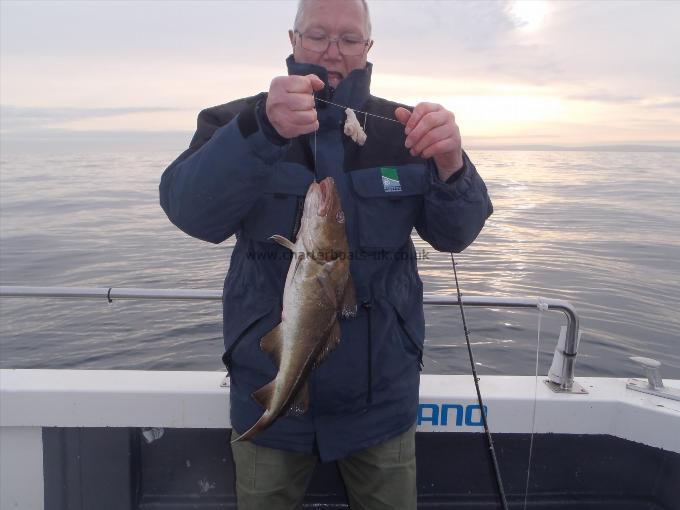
290,104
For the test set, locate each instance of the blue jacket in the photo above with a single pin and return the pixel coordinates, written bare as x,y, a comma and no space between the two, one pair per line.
239,177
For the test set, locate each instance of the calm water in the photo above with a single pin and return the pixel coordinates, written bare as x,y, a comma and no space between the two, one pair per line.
600,229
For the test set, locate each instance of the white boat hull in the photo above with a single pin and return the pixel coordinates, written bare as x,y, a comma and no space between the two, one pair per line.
48,411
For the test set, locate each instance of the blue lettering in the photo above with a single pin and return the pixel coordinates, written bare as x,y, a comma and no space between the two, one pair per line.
438,414
432,418
459,414
468,415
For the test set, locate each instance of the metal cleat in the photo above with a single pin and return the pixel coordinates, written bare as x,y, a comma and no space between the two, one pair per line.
654,384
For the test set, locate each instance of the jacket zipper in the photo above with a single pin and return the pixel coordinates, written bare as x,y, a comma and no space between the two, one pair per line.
369,393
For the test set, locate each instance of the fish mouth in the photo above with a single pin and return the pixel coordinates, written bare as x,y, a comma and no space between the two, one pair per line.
326,187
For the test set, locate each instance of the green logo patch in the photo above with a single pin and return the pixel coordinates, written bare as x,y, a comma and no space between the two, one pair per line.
390,179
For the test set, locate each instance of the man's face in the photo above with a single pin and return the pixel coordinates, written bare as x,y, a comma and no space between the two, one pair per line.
335,19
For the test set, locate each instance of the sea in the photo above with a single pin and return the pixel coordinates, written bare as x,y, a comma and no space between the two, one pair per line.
600,229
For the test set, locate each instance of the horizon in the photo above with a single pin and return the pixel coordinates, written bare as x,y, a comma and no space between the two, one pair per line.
64,141
516,73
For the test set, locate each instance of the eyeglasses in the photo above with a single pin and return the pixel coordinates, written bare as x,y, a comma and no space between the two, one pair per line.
318,42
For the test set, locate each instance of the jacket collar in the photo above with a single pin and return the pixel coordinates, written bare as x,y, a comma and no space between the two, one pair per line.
353,90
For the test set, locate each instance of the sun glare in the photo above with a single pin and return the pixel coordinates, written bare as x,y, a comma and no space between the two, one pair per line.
530,14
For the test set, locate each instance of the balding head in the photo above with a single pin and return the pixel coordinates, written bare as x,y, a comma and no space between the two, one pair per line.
303,3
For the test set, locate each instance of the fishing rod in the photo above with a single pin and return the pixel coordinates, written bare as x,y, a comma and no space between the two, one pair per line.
487,433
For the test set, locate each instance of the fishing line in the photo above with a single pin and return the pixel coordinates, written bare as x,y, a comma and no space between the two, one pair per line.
492,450
542,306
366,114
316,170
358,111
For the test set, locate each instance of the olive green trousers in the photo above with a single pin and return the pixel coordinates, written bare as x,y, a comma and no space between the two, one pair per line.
379,477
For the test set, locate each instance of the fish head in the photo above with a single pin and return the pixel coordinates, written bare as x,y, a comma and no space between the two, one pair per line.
323,220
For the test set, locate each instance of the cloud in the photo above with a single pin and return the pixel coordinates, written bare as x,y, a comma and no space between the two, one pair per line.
605,97
57,141
667,103
107,29
13,118
104,62
641,101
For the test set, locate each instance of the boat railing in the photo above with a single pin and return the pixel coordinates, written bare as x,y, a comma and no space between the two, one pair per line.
568,354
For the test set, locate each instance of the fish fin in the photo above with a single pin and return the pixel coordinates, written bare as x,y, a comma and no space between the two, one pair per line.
264,395
283,241
331,342
300,403
271,344
327,286
300,256
349,299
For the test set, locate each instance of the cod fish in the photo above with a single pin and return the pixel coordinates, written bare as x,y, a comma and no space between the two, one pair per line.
317,292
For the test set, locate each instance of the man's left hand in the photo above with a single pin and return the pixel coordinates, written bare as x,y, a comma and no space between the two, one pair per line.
431,132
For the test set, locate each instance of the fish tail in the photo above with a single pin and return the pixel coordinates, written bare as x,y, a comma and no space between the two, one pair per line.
261,424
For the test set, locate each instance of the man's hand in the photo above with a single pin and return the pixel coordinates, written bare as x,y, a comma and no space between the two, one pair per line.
431,132
290,104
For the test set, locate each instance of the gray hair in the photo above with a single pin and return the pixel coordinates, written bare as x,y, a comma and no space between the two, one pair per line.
301,8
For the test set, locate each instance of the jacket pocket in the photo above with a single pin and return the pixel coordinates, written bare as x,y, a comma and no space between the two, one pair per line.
406,301
388,202
245,317
279,209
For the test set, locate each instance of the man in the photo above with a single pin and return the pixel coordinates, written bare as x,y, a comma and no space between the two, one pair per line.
246,172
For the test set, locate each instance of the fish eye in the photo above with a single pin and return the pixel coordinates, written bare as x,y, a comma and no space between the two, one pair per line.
340,217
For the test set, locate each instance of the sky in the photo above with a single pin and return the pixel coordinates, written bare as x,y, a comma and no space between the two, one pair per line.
515,73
